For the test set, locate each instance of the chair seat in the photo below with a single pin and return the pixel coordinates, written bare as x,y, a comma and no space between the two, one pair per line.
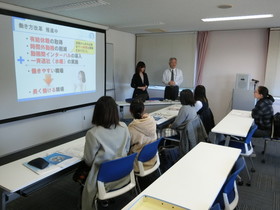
239,145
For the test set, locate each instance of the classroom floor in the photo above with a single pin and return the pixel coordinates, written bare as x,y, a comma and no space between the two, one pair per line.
263,194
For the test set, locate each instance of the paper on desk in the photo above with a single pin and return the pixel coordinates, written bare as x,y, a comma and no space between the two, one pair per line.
74,152
56,158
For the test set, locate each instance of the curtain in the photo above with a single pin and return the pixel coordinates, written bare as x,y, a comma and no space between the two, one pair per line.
272,75
202,43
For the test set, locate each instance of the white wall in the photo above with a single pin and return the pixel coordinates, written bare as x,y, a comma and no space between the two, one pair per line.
124,61
229,53
22,134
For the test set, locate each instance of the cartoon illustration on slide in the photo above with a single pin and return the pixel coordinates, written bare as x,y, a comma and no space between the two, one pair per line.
81,84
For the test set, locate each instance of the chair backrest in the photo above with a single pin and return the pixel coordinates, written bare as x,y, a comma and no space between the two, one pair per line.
207,118
275,133
216,207
149,151
228,196
250,133
120,167
193,133
238,167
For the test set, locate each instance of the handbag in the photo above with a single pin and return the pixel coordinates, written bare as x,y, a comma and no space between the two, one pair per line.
81,173
168,156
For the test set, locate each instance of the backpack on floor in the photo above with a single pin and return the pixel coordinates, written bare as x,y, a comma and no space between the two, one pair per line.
168,155
276,125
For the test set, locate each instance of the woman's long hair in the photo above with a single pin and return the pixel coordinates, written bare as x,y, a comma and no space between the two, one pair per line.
200,93
106,112
140,65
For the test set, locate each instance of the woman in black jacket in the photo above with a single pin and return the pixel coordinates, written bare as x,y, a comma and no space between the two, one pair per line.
263,112
140,82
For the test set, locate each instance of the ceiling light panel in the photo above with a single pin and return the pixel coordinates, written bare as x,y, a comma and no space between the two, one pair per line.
78,5
247,17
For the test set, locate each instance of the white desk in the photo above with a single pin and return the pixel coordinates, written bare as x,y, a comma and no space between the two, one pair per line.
196,179
166,114
235,123
15,176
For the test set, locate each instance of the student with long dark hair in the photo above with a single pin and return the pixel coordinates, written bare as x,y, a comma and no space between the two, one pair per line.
108,139
140,81
263,112
142,131
202,108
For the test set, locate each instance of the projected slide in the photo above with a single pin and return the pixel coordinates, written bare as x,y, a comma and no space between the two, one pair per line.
53,60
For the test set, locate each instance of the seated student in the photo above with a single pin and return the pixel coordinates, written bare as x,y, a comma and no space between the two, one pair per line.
190,133
142,131
108,139
263,112
187,111
202,108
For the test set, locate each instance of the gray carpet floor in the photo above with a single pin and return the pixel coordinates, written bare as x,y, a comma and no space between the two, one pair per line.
263,194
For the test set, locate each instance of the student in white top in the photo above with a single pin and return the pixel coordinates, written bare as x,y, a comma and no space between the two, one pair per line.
172,78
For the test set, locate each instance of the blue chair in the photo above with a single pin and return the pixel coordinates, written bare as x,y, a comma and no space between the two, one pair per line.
228,196
114,170
216,207
128,100
246,148
148,152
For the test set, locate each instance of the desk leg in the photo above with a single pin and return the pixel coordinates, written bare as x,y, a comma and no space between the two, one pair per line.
216,138
6,198
121,112
3,200
227,140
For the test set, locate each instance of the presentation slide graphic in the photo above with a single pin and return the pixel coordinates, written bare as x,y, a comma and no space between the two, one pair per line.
53,60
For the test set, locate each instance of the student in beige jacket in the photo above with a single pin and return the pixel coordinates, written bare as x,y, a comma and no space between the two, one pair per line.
142,131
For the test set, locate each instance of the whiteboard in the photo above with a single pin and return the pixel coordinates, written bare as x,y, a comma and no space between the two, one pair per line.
156,49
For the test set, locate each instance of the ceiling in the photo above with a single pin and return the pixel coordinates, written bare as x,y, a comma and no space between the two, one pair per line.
144,16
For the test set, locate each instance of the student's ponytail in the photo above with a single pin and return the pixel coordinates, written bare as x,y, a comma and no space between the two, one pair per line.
270,97
137,109
264,92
